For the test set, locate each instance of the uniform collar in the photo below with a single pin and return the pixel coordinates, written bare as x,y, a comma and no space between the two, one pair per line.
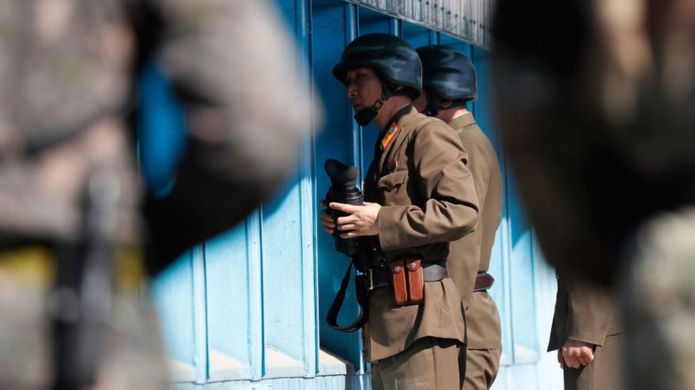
462,121
391,132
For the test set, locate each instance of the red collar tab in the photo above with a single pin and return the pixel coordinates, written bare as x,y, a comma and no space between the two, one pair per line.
390,135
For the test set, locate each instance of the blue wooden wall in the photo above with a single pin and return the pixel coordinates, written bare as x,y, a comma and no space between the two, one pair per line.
246,310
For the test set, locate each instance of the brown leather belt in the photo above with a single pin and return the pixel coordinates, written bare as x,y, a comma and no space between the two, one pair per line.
381,276
483,281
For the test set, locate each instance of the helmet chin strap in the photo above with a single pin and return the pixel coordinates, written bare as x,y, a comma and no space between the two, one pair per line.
365,116
432,108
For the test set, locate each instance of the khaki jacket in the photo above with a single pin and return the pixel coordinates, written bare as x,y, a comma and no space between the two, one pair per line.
582,313
472,252
428,200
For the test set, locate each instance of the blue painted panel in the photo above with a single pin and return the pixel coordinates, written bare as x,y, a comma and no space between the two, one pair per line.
374,22
523,293
417,35
287,228
228,294
333,27
282,275
173,298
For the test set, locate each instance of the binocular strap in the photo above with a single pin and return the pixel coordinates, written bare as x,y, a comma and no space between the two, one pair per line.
332,317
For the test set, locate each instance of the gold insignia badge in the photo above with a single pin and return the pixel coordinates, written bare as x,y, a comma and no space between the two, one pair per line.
391,133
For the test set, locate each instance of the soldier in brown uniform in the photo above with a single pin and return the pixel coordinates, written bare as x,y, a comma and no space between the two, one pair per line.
420,197
69,191
449,82
585,333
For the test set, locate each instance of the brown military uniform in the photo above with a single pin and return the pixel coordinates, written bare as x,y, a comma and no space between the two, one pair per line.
428,199
586,313
472,256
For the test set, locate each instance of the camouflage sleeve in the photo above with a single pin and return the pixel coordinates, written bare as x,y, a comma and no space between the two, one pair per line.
236,74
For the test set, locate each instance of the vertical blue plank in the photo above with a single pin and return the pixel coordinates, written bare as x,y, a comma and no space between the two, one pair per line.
416,35
374,22
288,249
333,26
523,284
255,330
288,234
172,293
282,275
282,256
307,204
200,315
395,27
229,305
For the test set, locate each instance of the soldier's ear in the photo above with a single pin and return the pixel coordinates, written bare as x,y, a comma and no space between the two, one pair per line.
446,104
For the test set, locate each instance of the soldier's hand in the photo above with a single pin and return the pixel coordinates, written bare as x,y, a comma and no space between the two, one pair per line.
360,221
577,353
327,222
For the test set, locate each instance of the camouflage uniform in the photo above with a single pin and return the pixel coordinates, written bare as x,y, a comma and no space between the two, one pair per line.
658,299
66,90
601,140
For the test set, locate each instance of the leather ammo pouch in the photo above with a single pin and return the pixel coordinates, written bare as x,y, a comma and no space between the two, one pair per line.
408,281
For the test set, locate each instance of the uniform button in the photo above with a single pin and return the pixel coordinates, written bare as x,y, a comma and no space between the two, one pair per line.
393,164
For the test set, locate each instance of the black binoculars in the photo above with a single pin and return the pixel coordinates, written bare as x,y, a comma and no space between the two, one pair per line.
343,190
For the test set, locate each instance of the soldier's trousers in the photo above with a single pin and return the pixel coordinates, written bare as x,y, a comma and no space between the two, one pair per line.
602,373
428,364
481,368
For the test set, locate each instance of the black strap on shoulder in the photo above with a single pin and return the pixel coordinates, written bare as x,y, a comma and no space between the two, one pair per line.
332,317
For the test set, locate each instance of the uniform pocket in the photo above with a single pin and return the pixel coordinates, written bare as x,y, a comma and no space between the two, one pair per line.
392,180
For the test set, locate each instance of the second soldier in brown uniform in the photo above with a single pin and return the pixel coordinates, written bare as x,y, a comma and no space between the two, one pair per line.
449,81
420,197
586,335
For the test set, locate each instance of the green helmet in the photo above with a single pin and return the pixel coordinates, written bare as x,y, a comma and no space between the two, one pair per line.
393,59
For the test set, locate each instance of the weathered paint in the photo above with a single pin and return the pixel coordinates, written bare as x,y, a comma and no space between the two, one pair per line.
467,20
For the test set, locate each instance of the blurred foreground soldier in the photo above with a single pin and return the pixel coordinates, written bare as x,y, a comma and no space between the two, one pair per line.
69,192
449,82
420,196
595,102
586,335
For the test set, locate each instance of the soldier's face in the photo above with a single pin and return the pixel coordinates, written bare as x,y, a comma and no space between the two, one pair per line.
363,87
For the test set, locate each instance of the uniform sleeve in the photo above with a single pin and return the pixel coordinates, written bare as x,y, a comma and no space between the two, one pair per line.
451,207
478,164
589,313
468,248
235,72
